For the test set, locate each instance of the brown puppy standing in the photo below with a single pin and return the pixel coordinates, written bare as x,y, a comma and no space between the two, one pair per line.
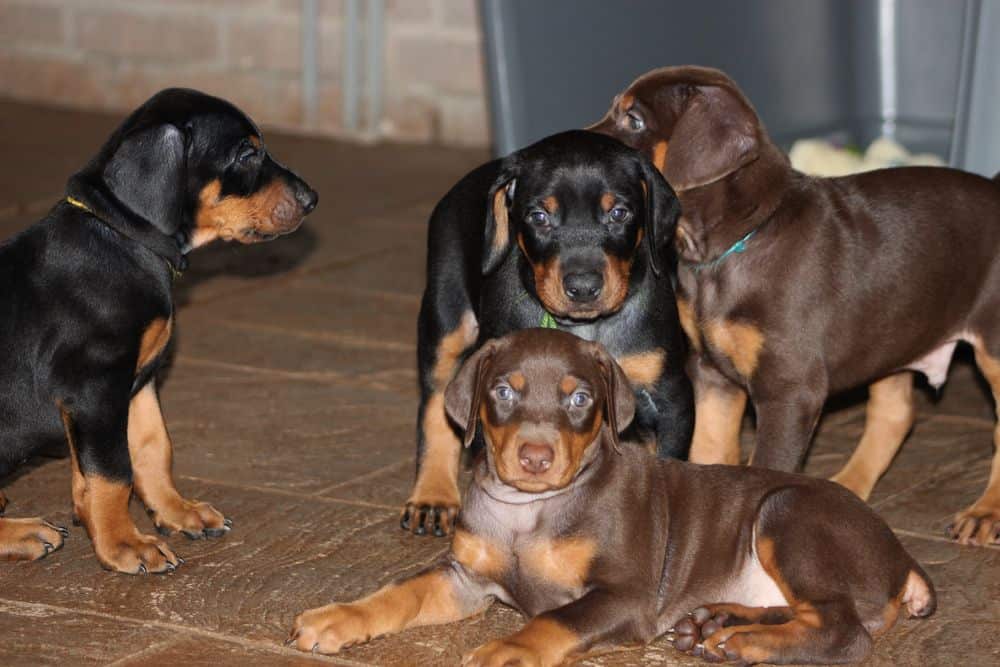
792,288
605,546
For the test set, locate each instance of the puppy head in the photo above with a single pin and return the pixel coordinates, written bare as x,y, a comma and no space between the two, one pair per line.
694,123
196,166
544,397
578,205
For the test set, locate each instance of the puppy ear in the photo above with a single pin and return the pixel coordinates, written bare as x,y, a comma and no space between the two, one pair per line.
497,233
147,173
663,209
619,399
715,135
464,393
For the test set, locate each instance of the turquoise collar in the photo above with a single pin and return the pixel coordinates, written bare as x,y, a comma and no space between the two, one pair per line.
547,321
738,247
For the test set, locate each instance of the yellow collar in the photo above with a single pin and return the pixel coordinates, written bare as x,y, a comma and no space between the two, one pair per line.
79,204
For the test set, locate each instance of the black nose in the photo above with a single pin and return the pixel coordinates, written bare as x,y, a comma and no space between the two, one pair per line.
307,198
583,287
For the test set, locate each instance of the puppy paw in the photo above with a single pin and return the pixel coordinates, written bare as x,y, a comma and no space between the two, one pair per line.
329,629
135,553
978,525
502,653
431,516
193,518
29,539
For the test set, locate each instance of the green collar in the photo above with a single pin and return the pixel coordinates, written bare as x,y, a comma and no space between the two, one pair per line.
547,321
738,247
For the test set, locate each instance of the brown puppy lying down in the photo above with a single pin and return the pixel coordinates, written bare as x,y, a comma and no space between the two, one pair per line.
603,546
793,288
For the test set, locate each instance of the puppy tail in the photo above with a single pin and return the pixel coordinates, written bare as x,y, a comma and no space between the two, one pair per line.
918,593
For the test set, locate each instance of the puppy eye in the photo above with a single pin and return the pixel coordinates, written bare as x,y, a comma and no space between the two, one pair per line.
538,218
619,214
635,121
579,399
503,393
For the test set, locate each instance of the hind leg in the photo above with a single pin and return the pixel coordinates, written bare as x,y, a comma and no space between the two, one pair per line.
888,418
980,523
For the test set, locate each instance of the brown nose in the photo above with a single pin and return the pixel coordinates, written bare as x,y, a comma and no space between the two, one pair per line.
535,458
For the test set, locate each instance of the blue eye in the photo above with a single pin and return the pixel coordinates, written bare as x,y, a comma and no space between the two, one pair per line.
504,393
635,121
539,218
579,399
620,214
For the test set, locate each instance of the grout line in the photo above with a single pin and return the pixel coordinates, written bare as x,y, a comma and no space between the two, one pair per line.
942,471
175,627
366,476
346,340
936,538
153,648
312,376
291,494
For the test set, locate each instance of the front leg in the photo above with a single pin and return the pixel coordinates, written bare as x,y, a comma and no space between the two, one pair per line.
719,407
102,487
787,414
443,594
599,619
151,453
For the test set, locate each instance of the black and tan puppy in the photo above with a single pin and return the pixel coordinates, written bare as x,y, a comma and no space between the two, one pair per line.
792,288
573,232
86,312
604,546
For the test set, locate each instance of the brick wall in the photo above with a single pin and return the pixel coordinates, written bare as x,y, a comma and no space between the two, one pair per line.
113,54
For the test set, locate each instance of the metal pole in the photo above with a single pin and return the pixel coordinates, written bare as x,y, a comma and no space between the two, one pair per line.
351,88
309,23
375,41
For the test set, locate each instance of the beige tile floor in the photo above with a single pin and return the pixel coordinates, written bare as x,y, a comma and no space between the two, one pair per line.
291,401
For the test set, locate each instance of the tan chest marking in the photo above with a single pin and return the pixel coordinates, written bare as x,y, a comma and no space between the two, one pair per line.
645,368
479,555
154,339
688,322
740,342
564,562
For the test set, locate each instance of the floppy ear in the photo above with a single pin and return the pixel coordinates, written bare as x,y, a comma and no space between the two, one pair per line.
715,135
464,393
663,209
497,233
148,174
619,399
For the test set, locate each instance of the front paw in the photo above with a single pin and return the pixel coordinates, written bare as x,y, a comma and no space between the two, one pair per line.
135,553
193,518
329,629
978,525
502,653
29,539
435,518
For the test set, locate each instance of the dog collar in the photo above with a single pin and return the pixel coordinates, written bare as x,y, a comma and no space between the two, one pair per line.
548,321
738,247
175,273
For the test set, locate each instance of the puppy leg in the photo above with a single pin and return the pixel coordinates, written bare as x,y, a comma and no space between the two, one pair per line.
598,620
28,539
980,523
675,425
888,418
787,414
433,505
151,453
719,407
442,594
102,486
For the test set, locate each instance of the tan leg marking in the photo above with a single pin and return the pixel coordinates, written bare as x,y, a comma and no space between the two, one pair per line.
563,562
740,342
889,416
154,339
689,323
151,453
437,478
427,599
980,523
718,416
101,506
645,368
479,555
543,642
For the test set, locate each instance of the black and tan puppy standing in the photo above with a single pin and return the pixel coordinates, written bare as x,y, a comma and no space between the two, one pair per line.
792,288
602,545
573,232
86,313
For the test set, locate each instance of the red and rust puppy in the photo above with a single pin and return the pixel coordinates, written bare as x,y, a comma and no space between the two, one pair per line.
604,546
86,313
572,232
792,288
